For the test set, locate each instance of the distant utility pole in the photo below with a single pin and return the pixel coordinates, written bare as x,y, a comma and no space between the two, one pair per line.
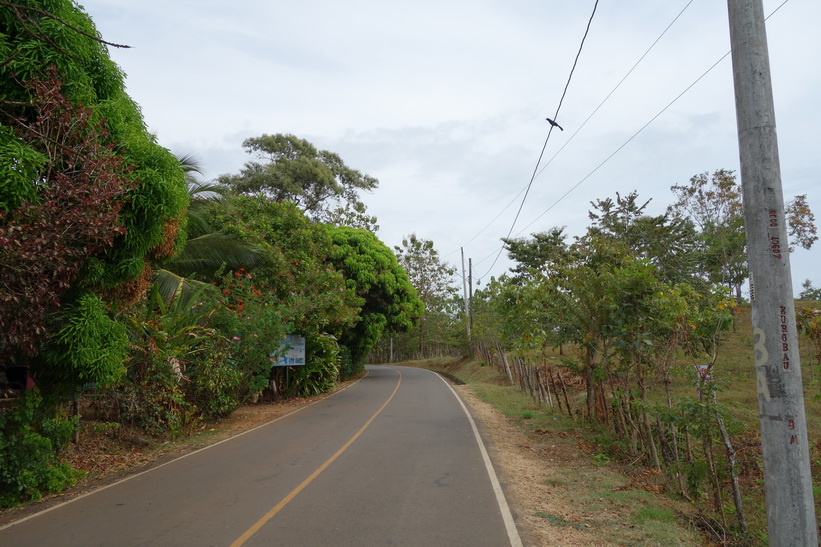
470,293
465,292
787,478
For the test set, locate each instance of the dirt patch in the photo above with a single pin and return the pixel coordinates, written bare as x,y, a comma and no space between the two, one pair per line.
524,471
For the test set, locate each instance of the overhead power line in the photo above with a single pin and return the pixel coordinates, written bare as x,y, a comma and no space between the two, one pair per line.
634,135
618,85
576,132
608,158
553,124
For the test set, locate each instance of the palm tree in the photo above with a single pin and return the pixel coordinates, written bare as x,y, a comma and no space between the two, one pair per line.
206,250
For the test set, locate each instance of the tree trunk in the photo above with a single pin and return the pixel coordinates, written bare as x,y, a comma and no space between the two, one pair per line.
728,446
651,443
590,358
564,392
674,435
421,335
506,365
707,444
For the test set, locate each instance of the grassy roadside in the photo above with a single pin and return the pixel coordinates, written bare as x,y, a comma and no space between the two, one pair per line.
571,493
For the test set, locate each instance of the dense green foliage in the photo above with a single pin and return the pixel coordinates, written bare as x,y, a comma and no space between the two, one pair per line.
89,345
89,203
253,321
165,342
30,441
206,248
441,325
296,267
322,368
107,200
537,252
371,270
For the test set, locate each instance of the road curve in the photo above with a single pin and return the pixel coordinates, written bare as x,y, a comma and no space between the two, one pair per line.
392,460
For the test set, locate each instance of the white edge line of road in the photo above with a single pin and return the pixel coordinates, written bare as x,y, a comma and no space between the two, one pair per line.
504,508
134,476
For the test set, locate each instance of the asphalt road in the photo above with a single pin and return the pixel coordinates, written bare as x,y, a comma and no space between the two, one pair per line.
392,460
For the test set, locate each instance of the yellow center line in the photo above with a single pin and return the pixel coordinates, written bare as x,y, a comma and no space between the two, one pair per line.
287,499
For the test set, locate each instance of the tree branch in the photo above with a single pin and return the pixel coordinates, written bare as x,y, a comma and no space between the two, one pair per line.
17,9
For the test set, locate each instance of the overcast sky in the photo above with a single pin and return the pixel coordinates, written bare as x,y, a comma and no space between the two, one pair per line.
444,101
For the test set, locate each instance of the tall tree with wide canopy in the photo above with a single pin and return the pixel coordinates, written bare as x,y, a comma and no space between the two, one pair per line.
89,202
287,168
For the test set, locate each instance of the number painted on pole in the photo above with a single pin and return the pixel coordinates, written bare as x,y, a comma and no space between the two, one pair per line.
772,214
775,246
761,353
761,358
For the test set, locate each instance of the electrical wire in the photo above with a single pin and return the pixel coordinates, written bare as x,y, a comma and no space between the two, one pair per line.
608,158
512,201
618,85
550,131
540,171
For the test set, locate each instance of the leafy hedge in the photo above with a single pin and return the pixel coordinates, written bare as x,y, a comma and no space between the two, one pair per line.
30,442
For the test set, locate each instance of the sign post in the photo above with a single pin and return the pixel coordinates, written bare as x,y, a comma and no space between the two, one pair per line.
291,351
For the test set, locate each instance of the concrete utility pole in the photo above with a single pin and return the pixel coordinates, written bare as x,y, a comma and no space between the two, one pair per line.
465,292
787,478
470,293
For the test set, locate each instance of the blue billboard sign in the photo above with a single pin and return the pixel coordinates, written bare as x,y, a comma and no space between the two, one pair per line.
291,351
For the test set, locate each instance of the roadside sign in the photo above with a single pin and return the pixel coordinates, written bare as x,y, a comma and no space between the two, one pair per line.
291,351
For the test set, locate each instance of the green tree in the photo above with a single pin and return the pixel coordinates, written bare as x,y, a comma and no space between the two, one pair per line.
714,203
543,251
297,267
371,270
288,168
809,292
666,241
526,301
90,201
491,319
353,215
801,222
206,249
584,306
432,280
